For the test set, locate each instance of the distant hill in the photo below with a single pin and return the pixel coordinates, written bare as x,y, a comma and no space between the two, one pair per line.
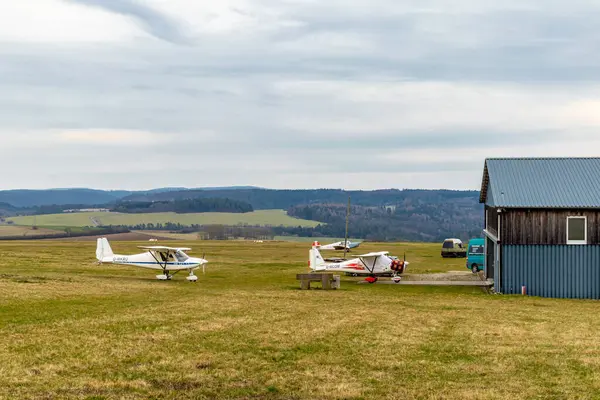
31,198
268,199
412,220
83,196
389,214
7,209
183,206
416,215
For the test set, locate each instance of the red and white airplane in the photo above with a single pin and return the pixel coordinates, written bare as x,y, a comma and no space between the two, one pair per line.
371,264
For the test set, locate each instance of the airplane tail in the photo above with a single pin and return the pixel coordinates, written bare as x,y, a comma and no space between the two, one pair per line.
316,261
103,249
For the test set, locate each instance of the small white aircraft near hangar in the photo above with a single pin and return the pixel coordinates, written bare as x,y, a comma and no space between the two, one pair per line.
169,260
371,264
347,245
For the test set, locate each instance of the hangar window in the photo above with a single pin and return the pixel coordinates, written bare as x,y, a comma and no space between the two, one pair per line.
576,230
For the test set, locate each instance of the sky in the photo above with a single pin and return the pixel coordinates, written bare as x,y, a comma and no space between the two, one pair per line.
352,94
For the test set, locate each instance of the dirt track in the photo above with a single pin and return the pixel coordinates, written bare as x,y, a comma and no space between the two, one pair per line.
446,276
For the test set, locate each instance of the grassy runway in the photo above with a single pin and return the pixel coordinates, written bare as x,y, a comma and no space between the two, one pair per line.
72,329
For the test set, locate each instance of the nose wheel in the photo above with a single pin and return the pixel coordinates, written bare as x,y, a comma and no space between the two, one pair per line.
191,277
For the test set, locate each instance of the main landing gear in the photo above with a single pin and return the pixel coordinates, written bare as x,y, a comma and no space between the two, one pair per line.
167,277
164,277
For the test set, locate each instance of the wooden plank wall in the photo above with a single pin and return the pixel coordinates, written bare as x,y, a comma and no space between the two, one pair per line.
545,226
492,224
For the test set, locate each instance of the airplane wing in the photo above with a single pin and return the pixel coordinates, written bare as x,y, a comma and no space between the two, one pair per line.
327,247
164,248
372,260
376,254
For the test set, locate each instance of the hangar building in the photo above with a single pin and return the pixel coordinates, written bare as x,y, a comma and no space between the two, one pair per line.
542,225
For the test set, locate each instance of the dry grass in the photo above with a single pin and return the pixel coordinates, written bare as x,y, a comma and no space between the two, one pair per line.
170,235
72,329
11,230
260,217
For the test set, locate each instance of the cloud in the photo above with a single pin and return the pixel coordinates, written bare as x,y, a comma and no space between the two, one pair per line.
154,22
354,93
99,137
387,109
58,22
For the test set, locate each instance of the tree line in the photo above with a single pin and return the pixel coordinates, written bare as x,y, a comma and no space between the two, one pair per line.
180,206
263,199
183,206
71,233
419,221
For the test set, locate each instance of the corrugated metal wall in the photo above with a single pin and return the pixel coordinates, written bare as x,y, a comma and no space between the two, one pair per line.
551,271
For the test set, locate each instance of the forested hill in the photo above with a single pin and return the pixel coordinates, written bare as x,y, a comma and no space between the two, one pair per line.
410,220
184,206
266,199
45,197
6,209
416,215
390,214
260,199
32,198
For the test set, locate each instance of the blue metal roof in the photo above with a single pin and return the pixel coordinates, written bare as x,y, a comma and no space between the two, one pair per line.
541,183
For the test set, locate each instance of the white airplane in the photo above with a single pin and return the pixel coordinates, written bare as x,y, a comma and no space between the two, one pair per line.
165,259
371,264
339,245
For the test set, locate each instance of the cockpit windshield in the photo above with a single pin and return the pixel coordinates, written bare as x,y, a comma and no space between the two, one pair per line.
181,256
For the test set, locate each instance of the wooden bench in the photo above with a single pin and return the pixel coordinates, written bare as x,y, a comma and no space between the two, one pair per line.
328,281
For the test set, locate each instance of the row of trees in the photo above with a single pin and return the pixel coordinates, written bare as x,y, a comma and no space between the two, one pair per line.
223,232
183,206
71,232
283,199
417,221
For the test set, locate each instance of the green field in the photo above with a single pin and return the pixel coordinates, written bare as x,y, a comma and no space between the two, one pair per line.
11,230
261,217
322,240
72,329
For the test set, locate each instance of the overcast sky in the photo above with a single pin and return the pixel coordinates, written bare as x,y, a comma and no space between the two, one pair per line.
354,94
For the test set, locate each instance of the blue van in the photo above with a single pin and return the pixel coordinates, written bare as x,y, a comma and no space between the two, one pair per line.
476,255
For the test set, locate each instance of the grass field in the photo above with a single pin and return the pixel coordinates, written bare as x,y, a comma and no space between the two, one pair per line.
11,230
72,329
322,240
261,217
171,235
